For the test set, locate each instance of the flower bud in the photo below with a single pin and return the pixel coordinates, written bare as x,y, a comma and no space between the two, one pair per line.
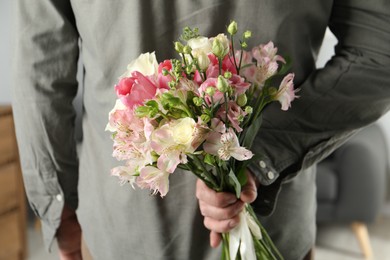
244,45
205,118
247,34
172,84
179,47
242,100
197,101
232,28
222,84
203,60
187,49
227,75
248,110
220,46
210,91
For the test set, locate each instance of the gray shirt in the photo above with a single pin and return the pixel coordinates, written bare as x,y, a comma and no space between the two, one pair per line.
352,91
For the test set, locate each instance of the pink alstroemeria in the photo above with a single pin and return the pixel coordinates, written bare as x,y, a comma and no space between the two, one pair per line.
235,115
239,85
266,64
154,179
226,145
266,53
136,89
286,92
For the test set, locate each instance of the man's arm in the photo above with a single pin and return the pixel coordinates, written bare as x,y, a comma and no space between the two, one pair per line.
45,65
352,91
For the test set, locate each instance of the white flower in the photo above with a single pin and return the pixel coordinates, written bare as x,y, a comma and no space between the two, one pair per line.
126,174
201,43
173,141
146,64
226,145
154,179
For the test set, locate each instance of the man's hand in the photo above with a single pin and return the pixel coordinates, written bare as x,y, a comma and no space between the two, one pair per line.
221,209
69,236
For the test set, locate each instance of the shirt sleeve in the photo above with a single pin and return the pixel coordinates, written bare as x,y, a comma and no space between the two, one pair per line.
44,86
350,92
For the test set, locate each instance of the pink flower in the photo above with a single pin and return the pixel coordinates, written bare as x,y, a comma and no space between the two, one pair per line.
136,89
211,83
235,115
161,79
286,92
266,64
226,145
239,85
213,69
154,179
265,54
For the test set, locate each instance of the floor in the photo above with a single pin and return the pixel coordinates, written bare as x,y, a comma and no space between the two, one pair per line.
334,241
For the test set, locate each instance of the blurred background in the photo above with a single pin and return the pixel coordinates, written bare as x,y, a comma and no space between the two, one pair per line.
353,216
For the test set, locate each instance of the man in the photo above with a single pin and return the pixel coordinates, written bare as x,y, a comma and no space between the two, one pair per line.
352,91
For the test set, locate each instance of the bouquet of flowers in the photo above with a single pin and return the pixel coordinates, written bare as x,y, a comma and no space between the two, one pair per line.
200,113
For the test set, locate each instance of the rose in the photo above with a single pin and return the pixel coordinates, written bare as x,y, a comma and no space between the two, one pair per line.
183,131
146,64
202,44
136,89
201,47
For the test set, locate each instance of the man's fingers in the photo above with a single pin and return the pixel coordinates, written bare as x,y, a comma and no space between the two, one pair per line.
221,226
216,199
221,213
249,190
215,239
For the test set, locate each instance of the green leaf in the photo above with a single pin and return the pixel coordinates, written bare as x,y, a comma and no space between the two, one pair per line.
286,66
233,181
251,132
241,176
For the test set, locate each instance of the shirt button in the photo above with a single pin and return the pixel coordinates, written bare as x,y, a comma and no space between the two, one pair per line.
262,164
270,175
59,197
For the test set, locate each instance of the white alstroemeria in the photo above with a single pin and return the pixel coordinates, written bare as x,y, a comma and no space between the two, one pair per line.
241,237
126,174
146,64
229,146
